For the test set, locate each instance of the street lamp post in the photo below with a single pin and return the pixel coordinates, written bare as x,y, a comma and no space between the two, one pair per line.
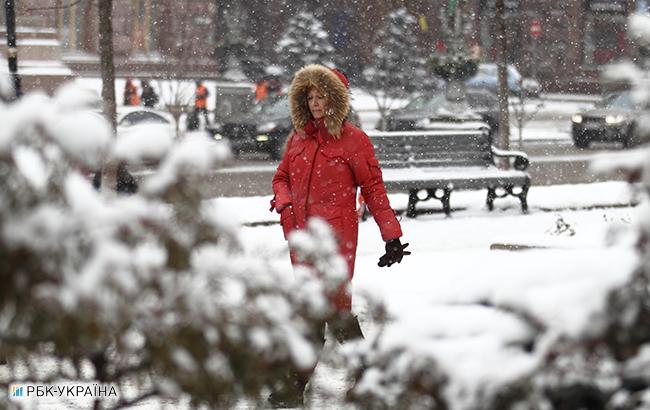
455,65
12,50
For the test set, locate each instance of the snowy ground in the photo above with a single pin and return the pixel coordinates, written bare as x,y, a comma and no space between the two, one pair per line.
580,239
580,245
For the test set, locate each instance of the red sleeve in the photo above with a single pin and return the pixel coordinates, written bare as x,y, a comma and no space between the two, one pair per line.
281,184
368,176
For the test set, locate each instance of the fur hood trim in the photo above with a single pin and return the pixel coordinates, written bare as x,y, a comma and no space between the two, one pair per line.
328,83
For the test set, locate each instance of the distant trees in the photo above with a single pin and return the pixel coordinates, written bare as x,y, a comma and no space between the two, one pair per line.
397,67
304,41
238,52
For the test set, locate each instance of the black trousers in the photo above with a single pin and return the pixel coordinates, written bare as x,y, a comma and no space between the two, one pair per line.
344,327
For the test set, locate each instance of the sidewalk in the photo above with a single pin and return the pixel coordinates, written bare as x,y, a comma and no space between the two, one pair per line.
254,210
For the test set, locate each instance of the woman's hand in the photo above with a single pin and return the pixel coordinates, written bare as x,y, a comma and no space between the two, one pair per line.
394,253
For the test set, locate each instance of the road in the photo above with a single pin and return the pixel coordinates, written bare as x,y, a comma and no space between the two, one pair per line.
552,161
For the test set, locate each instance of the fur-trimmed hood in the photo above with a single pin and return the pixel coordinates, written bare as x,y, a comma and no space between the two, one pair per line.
328,83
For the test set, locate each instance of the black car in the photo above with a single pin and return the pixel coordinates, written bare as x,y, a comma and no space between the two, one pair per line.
612,120
263,129
423,106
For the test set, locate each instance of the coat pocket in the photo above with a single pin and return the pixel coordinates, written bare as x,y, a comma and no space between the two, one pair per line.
334,154
288,221
295,151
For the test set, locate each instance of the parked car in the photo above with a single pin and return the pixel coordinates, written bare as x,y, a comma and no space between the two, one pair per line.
143,134
482,102
264,128
612,120
487,77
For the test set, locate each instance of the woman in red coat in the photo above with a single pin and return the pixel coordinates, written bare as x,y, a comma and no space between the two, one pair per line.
325,161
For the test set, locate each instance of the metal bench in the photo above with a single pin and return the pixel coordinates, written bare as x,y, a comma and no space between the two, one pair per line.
432,164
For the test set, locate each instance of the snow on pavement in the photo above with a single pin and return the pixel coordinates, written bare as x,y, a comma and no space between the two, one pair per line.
581,246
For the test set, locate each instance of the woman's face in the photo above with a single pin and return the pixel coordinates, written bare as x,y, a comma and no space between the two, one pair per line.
317,103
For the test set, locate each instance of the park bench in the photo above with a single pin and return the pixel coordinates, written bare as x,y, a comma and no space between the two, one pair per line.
433,164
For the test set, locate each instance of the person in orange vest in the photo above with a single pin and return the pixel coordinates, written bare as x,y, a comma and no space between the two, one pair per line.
131,96
201,101
261,90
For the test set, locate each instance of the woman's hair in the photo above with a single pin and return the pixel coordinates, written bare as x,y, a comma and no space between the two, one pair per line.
329,85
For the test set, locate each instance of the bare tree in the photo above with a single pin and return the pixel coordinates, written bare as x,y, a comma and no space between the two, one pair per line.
114,175
523,112
105,13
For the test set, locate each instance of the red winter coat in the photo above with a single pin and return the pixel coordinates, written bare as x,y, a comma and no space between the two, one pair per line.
323,165
319,176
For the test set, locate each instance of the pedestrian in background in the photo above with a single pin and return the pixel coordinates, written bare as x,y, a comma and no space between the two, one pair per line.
274,87
261,90
149,96
131,93
201,101
326,160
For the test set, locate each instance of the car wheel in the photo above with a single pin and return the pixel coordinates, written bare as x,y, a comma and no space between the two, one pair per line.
581,142
235,151
631,139
277,150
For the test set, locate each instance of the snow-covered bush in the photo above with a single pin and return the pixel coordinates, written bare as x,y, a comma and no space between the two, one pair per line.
396,378
602,364
153,290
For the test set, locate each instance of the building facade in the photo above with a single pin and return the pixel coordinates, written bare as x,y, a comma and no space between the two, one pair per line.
571,42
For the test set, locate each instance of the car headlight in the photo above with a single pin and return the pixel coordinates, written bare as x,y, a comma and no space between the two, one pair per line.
614,119
217,136
577,118
267,127
262,137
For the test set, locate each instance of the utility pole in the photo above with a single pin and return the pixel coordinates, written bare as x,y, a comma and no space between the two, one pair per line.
12,49
503,138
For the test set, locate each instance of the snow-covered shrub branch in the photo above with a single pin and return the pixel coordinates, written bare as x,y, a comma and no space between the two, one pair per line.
155,287
600,364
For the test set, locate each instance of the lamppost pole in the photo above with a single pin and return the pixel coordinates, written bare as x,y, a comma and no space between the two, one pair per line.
12,50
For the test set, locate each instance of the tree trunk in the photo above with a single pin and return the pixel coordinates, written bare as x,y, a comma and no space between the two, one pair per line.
109,171
503,138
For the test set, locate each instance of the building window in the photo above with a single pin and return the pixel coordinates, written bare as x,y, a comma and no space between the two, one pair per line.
144,26
604,38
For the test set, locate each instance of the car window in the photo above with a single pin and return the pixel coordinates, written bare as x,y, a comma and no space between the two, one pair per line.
491,70
262,106
513,74
424,102
622,100
481,100
276,107
142,117
487,70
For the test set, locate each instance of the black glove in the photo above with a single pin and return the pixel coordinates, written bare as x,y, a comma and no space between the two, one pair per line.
394,253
